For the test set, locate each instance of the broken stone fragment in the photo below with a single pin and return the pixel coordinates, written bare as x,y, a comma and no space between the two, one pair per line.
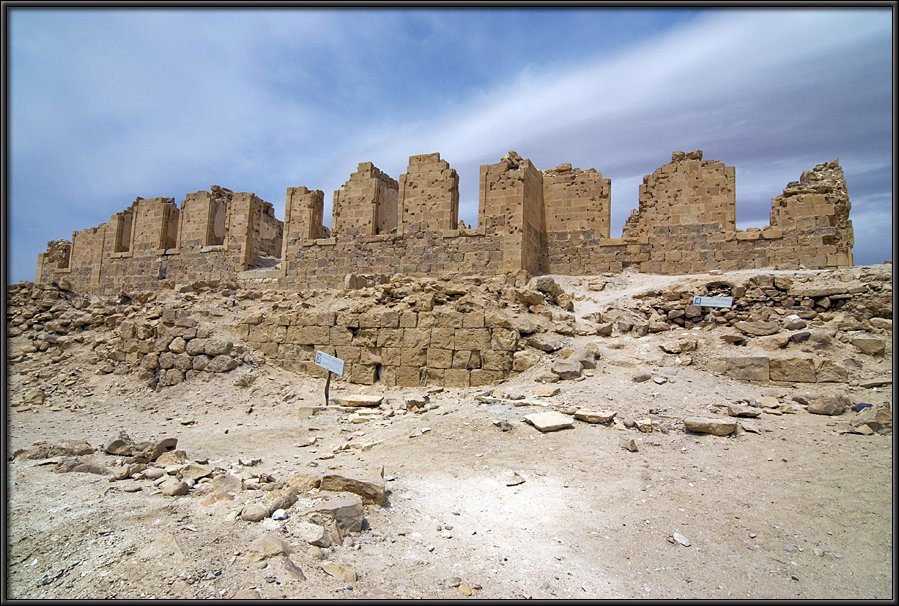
369,486
267,546
173,487
741,410
358,400
194,472
567,368
717,427
832,405
78,466
313,534
869,345
877,417
549,421
339,571
758,329
547,342
254,512
628,444
345,510
594,416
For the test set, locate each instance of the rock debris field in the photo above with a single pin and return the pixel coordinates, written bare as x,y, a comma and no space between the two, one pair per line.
641,446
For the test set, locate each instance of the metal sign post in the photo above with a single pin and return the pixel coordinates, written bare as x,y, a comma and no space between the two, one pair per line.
332,365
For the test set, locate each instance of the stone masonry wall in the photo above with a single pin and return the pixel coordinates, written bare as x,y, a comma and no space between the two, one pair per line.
408,345
529,222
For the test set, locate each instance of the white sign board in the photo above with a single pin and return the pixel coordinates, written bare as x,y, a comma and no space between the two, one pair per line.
713,301
329,362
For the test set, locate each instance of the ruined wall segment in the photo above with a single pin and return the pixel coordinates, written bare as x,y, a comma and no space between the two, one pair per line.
812,215
530,222
578,219
366,205
428,196
511,208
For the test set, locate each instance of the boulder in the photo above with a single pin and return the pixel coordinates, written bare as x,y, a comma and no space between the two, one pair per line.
717,427
254,512
173,487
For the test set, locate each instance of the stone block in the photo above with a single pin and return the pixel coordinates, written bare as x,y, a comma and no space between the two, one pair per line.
439,358
798,370
456,378
443,338
472,339
747,368
408,376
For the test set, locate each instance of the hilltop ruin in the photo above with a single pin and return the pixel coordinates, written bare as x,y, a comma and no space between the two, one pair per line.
530,222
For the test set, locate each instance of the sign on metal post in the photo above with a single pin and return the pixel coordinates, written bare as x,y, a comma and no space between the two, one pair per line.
331,364
713,301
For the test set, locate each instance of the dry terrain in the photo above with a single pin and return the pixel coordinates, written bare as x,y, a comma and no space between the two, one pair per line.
477,502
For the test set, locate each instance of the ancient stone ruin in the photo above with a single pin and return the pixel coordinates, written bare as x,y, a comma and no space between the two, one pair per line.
539,222
436,300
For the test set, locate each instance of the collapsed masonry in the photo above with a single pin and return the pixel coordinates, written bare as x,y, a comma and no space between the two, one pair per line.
529,222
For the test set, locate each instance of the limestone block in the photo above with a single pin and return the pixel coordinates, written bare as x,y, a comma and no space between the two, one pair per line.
443,338
439,358
472,339
408,376
747,368
456,378
799,370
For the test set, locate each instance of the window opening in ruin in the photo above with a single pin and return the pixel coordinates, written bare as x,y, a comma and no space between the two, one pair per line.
215,233
123,233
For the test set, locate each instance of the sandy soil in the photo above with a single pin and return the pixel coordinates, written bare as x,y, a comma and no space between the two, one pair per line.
795,511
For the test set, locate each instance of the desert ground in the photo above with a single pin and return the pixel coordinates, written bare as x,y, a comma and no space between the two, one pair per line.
439,492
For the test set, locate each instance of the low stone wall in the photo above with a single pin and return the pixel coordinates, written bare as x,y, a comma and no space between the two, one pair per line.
404,346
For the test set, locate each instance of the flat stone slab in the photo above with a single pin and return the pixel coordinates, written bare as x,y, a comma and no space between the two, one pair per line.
358,400
594,416
716,427
549,421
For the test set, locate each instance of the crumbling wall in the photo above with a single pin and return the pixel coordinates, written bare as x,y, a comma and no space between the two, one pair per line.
578,217
511,207
428,196
528,221
366,204
812,215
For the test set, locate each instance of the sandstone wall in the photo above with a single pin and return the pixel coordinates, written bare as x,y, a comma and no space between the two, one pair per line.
408,345
534,222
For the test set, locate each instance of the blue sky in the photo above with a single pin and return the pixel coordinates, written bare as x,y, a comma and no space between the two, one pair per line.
110,104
